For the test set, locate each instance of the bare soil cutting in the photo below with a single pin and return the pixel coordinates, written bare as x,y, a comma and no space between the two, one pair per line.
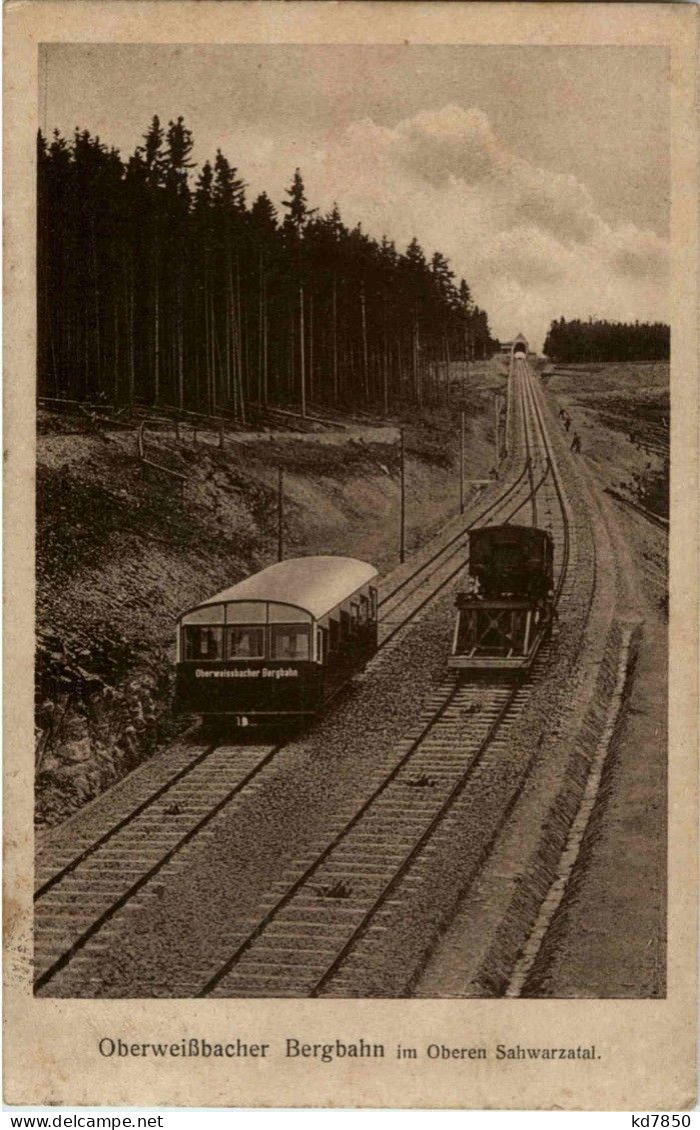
621,413
122,550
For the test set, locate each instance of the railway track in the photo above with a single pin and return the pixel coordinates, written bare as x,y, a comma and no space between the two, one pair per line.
80,891
309,941
301,942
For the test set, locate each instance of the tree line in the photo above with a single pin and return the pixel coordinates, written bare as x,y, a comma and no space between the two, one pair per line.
607,341
162,286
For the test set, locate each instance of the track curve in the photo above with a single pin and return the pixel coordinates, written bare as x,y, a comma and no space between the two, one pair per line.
76,897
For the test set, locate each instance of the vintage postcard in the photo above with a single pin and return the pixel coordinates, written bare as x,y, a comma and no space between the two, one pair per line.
351,402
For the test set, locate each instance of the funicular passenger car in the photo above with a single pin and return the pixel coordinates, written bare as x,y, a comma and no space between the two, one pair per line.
280,643
507,609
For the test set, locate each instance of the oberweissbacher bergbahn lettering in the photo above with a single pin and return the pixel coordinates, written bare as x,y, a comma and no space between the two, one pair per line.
294,1048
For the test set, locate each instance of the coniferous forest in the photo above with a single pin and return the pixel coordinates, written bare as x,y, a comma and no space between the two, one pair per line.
159,284
607,341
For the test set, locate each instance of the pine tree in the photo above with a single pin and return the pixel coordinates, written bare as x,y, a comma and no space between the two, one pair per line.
298,215
229,201
151,289
153,158
263,224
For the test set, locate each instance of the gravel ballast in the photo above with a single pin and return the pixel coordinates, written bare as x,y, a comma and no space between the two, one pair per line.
180,929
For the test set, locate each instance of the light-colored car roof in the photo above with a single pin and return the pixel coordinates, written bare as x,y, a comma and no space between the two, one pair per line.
316,584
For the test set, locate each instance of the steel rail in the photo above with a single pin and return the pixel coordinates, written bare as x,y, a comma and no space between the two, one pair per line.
289,894
444,809
135,887
488,846
457,537
459,787
458,540
551,463
528,448
85,854
123,823
163,789
416,850
442,585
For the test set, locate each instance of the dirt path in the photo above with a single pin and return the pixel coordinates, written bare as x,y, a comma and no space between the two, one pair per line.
608,937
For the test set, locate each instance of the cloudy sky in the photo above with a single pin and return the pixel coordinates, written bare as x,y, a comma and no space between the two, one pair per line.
541,172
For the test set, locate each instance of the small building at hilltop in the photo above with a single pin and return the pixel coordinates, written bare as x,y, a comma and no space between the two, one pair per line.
519,344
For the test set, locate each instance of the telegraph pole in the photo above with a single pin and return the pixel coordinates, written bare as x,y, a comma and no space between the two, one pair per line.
495,421
301,353
280,514
509,386
402,542
461,463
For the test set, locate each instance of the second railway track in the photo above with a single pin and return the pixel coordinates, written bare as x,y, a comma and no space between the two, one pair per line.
309,941
79,891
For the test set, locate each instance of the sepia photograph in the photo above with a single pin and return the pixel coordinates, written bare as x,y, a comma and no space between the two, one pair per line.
352,508
352,503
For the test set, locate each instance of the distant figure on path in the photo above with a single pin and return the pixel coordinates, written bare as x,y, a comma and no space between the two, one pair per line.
576,443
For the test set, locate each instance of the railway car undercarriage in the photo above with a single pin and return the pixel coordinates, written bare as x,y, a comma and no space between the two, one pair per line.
497,634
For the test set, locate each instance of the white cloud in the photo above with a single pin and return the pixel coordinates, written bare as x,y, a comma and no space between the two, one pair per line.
451,142
530,241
